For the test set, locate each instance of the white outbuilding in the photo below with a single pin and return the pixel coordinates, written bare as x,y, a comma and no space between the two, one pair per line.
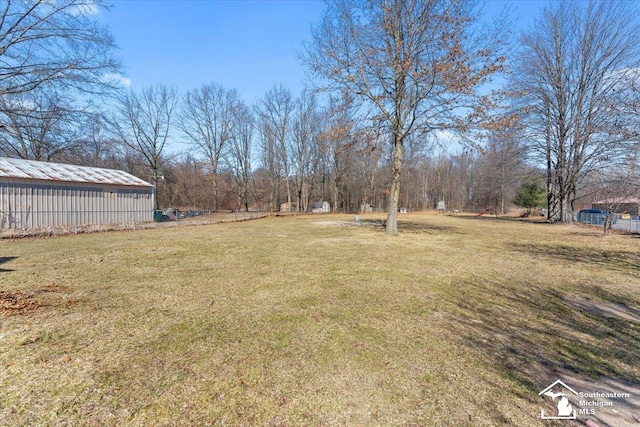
321,207
47,195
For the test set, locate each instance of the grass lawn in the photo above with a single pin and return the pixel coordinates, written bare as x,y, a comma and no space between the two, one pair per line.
316,320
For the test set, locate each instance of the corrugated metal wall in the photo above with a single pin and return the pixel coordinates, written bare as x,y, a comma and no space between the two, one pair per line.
25,204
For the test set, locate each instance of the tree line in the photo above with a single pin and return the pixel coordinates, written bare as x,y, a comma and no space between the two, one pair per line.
414,103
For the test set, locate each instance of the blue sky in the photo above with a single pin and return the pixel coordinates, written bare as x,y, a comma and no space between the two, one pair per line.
242,44
249,45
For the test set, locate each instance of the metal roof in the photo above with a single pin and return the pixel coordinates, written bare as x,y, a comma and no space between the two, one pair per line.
31,169
618,200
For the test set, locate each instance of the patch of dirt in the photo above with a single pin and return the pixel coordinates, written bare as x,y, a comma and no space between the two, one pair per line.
25,303
621,311
18,303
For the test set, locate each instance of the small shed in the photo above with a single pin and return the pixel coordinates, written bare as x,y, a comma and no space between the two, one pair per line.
42,195
321,207
288,207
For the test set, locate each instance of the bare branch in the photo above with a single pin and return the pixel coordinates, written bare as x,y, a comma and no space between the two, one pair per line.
55,42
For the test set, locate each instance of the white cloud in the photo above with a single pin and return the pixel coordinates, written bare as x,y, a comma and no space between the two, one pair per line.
88,7
117,79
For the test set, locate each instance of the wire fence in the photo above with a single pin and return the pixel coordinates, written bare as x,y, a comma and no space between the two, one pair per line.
26,223
628,223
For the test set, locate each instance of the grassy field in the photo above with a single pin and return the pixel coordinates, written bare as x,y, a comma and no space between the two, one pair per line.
317,320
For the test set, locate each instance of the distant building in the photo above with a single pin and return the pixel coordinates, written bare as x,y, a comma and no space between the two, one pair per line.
621,206
321,207
43,195
286,207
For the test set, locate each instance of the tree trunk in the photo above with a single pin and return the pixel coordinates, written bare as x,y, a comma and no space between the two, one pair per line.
396,170
606,227
288,194
550,189
214,201
155,186
567,215
272,194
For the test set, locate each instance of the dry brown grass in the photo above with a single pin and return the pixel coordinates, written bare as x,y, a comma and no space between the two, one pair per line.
315,320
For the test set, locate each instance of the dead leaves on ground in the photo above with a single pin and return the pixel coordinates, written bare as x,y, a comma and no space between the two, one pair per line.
25,303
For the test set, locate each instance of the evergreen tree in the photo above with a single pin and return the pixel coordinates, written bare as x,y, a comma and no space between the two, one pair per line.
530,194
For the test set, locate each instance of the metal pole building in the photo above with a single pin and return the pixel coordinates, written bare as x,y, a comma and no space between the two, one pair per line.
47,195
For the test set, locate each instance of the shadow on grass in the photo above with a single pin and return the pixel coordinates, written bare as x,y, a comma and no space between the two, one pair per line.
500,218
4,260
425,228
534,335
621,261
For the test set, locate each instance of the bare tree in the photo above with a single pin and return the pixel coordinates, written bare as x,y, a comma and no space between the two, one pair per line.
574,58
44,42
98,148
240,152
143,122
208,120
306,131
500,167
338,141
371,160
40,125
275,112
416,63
628,103
270,168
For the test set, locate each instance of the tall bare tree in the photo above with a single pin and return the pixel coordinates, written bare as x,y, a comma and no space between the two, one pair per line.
240,151
275,112
269,175
500,165
98,147
339,138
208,119
44,42
415,63
304,141
574,59
40,125
143,122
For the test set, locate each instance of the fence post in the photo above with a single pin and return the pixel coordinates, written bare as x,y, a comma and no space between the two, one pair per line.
75,222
